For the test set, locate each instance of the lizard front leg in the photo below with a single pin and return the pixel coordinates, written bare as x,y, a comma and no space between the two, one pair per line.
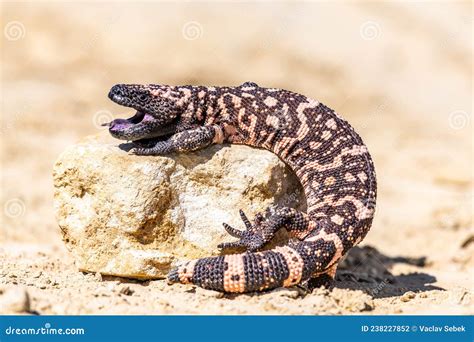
185,141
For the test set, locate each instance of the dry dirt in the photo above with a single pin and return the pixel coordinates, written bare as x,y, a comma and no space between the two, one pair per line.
399,72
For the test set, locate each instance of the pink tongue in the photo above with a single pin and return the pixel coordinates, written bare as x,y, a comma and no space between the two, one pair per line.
148,117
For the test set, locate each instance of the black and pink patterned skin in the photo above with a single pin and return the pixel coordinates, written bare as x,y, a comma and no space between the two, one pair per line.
327,155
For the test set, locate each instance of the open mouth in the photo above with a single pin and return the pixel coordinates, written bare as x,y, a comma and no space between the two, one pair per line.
142,126
122,124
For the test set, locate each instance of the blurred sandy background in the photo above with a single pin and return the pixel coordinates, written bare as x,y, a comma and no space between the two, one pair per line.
401,73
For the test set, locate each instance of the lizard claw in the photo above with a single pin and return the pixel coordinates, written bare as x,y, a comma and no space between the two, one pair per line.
232,231
138,151
251,237
244,218
225,245
259,218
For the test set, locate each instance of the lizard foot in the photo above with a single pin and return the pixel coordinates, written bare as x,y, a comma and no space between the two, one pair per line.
158,149
251,238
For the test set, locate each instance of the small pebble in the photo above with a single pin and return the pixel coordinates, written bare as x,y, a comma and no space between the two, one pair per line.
127,291
407,296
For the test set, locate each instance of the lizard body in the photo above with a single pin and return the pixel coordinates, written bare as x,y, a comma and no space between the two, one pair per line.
327,155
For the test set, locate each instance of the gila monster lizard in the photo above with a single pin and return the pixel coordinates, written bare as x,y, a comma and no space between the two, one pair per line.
327,155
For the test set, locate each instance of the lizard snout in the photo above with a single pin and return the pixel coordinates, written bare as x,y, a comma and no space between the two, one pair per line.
117,92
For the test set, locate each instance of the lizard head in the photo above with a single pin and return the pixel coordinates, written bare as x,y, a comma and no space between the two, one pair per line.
158,109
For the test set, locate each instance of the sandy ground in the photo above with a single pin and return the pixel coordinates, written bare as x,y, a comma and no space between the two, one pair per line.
399,72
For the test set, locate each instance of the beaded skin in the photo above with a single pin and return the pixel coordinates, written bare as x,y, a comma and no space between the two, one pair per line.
323,150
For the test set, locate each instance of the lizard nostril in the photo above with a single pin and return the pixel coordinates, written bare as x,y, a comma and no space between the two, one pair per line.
117,90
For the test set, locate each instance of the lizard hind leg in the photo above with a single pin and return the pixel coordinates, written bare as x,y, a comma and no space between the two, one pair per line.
263,228
254,236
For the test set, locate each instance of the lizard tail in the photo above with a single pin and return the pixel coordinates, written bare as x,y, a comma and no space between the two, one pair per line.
248,272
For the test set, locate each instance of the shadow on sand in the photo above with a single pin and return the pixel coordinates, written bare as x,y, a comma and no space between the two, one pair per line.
366,269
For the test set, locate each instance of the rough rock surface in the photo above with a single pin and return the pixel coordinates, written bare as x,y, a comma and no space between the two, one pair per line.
135,216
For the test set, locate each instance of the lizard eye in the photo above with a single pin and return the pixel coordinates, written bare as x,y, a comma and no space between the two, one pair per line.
143,97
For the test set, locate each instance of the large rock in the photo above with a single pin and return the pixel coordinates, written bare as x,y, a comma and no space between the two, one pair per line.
135,216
